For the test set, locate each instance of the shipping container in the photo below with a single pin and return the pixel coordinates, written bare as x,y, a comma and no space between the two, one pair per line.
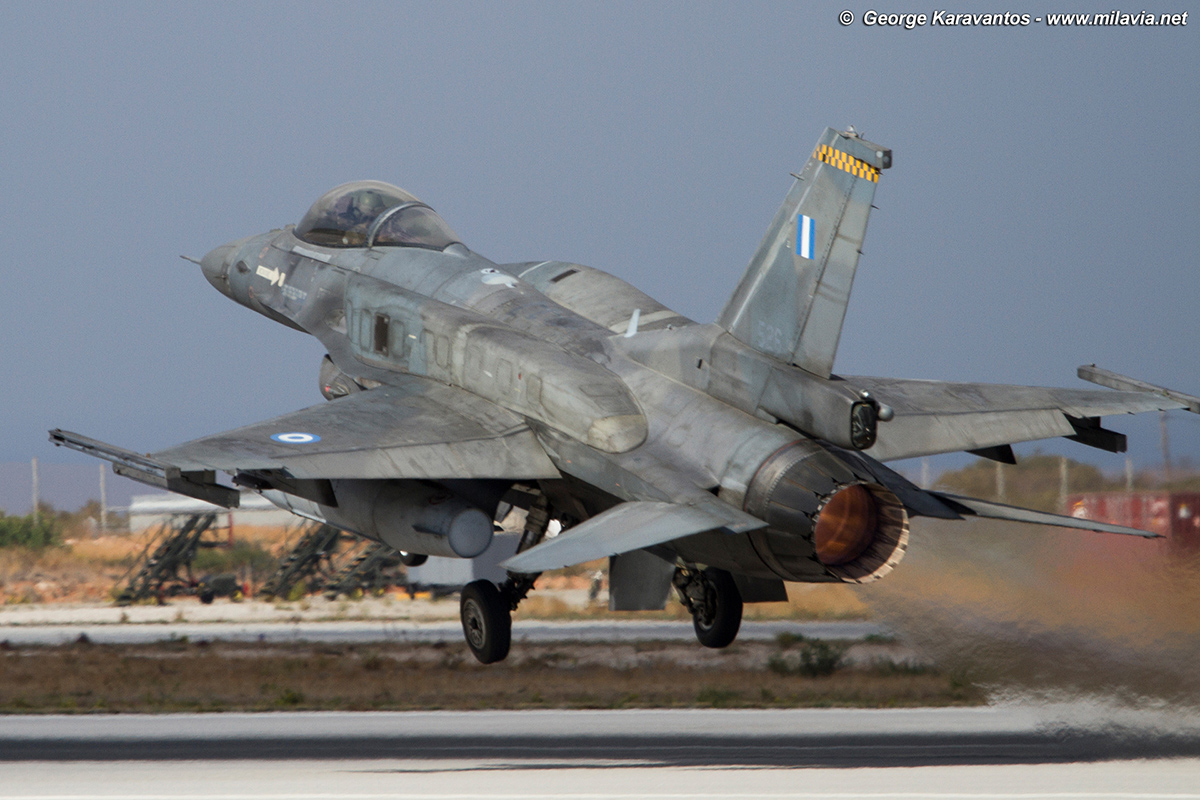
1172,515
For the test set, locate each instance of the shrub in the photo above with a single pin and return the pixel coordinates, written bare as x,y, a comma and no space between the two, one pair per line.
816,659
786,640
243,555
24,532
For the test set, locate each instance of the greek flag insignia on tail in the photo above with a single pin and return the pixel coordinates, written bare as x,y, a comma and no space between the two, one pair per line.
806,236
792,299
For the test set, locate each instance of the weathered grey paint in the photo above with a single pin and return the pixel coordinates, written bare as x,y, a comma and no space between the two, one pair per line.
717,443
638,581
791,302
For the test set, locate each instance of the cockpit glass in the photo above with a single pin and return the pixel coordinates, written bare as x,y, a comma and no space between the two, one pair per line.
342,216
417,226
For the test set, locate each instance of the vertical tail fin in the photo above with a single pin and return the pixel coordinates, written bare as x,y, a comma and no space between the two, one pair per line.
791,302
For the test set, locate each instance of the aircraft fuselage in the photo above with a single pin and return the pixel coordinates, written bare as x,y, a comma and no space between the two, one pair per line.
605,417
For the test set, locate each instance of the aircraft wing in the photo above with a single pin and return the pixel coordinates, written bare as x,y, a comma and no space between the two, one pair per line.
630,526
416,428
937,417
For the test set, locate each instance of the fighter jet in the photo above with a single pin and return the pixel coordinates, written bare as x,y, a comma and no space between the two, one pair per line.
717,459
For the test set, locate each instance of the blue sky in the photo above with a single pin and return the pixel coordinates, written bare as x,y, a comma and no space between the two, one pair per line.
1041,213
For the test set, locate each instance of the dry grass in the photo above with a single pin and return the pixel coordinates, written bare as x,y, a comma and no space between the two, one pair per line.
822,601
227,677
53,574
87,569
814,601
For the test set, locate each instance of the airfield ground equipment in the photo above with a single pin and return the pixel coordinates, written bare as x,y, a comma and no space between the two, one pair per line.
164,567
225,584
309,564
375,569
332,562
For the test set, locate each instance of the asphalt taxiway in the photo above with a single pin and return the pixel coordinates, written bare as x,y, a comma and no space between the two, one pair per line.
374,631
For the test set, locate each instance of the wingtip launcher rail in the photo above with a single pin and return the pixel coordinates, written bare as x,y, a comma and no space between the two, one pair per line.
148,470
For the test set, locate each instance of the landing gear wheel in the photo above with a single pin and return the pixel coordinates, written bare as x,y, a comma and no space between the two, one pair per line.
719,616
486,621
412,559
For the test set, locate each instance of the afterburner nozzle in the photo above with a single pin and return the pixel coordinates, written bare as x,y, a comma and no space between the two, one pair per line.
846,526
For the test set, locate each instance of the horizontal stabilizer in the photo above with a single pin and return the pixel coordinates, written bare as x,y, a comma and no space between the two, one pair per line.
1093,374
628,527
969,506
938,417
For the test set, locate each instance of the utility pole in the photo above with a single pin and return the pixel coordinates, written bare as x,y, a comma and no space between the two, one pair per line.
103,501
1064,485
926,480
1166,447
35,491
1001,493
1129,473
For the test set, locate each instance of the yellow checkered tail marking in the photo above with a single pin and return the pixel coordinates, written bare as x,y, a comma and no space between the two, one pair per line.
846,163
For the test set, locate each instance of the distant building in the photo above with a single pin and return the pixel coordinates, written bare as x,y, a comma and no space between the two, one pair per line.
1174,515
148,510
441,575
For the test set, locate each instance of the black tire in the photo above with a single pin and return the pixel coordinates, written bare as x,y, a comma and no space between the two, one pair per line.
412,559
207,596
717,623
486,621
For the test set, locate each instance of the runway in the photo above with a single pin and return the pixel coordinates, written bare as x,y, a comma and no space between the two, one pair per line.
1074,750
682,737
591,780
368,631
1012,751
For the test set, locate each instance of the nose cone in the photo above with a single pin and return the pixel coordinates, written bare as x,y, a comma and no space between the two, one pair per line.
216,265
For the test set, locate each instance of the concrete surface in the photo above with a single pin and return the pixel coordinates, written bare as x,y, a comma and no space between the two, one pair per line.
354,631
1065,751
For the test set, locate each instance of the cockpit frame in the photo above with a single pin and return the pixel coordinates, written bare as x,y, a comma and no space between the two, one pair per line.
387,214
338,219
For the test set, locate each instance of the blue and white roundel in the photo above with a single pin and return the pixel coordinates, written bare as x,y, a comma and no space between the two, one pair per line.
296,437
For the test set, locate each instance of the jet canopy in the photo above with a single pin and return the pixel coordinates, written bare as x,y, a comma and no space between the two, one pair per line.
373,214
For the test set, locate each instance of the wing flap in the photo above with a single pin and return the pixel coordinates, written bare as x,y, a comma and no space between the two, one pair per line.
627,527
416,429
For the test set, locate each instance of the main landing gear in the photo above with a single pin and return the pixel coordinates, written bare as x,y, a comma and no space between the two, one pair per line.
710,595
486,621
486,609
713,599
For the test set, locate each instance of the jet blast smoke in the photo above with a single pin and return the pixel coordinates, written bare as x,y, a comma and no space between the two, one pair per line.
1050,615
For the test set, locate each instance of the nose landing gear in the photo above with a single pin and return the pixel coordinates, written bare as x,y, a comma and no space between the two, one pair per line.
713,599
